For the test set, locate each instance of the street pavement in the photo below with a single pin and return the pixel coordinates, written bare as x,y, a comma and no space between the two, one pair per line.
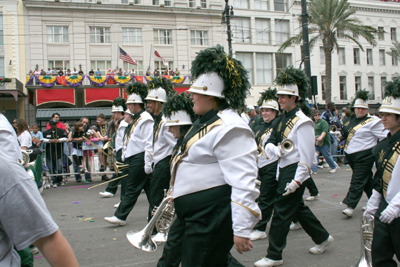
80,213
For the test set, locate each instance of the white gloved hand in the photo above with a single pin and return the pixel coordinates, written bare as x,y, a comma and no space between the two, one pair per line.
148,169
290,188
272,150
372,205
389,214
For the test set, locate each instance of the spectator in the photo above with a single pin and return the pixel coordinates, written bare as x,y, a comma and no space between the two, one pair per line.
171,72
80,73
156,73
24,137
74,72
37,72
255,120
88,154
60,73
37,136
30,73
53,139
165,72
68,72
133,72
177,72
98,72
56,117
324,140
77,138
55,71
109,72
101,134
14,125
49,72
119,73
331,118
67,128
126,72
91,72
42,73
148,73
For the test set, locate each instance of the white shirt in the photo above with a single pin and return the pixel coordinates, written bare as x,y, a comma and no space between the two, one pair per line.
164,144
141,140
120,135
25,139
225,155
8,140
262,160
367,136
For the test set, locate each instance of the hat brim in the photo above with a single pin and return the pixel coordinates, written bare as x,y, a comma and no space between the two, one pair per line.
361,106
203,92
389,109
155,99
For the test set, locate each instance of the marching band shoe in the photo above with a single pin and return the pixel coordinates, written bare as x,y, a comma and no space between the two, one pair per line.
364,208
320,248
348,211
295,226
255,235
333,170
117,205
312,198
115,220
106,194
265,262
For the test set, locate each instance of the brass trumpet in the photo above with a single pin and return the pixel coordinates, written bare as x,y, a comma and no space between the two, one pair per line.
286,146
119,166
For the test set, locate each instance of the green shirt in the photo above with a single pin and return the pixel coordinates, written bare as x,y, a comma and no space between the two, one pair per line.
322,126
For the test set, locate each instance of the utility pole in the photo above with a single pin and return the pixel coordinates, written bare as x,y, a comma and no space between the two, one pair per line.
306,45
226,18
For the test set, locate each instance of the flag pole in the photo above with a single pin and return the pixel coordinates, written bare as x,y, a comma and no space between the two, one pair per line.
117,56
151,51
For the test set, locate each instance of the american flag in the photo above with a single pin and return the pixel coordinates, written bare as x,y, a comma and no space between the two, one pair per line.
125,57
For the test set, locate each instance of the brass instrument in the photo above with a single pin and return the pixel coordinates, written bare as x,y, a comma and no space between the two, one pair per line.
119,166
109,181
286,146
367,231
332,128
25,159
163,219
260,151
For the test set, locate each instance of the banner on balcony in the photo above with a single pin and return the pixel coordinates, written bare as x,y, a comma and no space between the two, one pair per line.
46,81
98,80
100,94
29,79
74,81
44,96
121,80
174,79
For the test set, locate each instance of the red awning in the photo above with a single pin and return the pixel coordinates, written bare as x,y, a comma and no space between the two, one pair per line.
100,94
44,96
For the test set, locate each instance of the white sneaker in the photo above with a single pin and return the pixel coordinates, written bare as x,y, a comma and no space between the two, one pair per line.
117,205
265,262
333,170
295,226
348,211
312,198
313,172
54,185
325,165
115,220
256,234
364,208
319,249
106,194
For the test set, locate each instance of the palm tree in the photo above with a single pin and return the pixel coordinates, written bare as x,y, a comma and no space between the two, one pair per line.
395,51
328,20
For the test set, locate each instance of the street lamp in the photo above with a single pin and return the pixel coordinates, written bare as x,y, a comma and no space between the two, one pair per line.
226,16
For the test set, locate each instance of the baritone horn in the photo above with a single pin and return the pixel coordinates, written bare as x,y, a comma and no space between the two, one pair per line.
162,220
118,167
332,128
286,146
367,231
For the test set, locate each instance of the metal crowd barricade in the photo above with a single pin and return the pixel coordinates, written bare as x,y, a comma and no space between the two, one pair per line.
60,160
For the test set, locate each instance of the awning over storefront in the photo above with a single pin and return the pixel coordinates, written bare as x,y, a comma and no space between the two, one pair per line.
72,113
44,96
101,94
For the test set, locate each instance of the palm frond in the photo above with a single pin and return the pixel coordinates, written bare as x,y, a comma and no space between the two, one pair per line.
291,41
392,88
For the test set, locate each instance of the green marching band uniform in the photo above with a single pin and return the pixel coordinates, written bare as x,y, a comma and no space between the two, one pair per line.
266,165
137,151
361,135
213,170
119,105
293,170
163,143
384,204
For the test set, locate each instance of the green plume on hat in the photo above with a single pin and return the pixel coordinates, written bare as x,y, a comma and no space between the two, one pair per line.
137,88
392,88
236,83
120,101
179,102
267,94
360,94
291,75
162,82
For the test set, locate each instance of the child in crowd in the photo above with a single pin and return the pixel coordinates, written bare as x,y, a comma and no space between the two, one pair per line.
77,138
37,136
88,154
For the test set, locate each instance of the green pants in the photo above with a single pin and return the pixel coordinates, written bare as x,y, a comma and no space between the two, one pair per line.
26,257
269,185
202,234
133,185
285,209
361,180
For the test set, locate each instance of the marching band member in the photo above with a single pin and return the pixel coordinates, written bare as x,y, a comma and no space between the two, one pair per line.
118,108
361,133
136,151
266,165
384,203
293,169
214,169
163,142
